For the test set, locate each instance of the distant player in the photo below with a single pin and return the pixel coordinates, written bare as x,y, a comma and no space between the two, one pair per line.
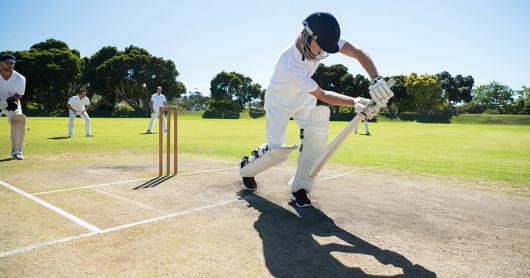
157,100
12,87
293,93
78,106
366,131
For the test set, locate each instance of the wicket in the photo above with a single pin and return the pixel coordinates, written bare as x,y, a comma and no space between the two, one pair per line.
170,110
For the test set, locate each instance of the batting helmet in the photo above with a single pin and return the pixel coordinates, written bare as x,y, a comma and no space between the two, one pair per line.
324,29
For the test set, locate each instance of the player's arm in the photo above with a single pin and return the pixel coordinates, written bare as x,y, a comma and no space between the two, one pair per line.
334,98
362,56
70,107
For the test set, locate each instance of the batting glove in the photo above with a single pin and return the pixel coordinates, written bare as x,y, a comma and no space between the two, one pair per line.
380,92
12,104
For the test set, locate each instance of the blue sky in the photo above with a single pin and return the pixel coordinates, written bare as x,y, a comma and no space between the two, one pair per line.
489,40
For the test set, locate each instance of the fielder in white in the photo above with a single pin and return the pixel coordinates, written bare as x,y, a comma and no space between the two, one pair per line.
157,100
293,93
78,106
12,87
366,130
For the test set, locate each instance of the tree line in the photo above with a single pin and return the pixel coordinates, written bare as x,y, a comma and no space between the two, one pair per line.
436,94
54,71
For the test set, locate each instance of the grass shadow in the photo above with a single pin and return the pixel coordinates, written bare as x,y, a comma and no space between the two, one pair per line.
58,138
290,249
153,182
6,159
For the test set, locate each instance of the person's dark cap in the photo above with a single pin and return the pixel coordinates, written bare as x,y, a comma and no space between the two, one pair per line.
8,58
325,29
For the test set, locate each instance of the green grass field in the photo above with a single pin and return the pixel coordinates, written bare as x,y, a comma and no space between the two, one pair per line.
471,151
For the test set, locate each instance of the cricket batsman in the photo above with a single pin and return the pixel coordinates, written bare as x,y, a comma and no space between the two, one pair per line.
292,93
12,87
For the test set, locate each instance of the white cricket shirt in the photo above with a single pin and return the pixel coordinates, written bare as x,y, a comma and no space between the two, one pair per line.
291,83
158,101
16,84
78,104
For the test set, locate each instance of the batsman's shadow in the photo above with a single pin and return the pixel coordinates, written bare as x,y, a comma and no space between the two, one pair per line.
291,251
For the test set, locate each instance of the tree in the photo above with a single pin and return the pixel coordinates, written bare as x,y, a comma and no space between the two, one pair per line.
336,78
50,44
92,63
400,95
222,92
131,75
424,95
464,85
52,71
494,96
194,101
457,89
230,91
521,104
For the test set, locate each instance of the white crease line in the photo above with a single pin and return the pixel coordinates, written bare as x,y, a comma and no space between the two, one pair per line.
64,213
90,186
140,204
207,171
67,239
128,181
334,177
169,216
43,244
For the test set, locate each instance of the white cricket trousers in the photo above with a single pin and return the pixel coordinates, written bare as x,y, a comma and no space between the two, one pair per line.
9,115
279,109
71,123
365,127
154,116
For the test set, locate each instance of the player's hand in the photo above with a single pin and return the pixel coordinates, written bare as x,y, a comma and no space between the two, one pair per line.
380,92
12,104
366,107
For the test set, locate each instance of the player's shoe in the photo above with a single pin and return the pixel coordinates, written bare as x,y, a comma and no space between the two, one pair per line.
300,198
248,182
18,156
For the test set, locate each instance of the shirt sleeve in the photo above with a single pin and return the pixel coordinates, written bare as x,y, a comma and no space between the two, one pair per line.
22,87
71,100
341,43
87,101
152,98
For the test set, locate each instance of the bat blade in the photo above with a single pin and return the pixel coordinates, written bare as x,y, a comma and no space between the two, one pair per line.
332,147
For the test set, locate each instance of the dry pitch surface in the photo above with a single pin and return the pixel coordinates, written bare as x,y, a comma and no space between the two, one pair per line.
113,218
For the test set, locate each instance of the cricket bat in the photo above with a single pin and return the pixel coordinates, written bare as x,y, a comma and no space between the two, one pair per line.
332,147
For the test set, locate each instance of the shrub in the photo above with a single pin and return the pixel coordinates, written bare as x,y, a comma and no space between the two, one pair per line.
220,115
124,108
256,112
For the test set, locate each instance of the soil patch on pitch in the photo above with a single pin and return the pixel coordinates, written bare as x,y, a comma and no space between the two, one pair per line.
366,222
